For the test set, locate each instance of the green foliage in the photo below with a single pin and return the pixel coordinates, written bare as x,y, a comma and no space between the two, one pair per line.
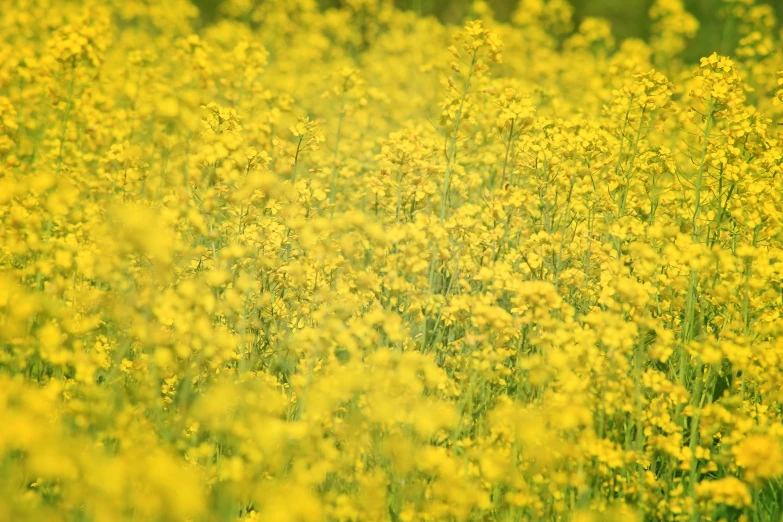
629,18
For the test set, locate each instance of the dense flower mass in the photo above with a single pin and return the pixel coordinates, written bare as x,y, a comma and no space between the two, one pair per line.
305,265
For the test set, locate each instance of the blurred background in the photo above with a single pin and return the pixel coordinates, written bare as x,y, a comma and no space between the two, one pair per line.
629,18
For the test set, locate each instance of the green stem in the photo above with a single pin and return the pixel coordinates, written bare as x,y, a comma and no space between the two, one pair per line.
296,159
505,161
451,153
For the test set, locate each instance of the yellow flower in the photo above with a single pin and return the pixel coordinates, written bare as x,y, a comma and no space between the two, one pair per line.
760,457
729,491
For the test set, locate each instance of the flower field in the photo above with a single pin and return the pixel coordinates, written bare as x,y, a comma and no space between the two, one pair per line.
356,264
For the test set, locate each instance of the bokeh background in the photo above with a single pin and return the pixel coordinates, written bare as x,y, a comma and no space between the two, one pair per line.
628,17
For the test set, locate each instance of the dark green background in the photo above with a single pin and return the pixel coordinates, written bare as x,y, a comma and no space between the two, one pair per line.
629,17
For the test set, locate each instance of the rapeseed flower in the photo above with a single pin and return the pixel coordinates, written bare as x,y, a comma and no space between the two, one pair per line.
358,264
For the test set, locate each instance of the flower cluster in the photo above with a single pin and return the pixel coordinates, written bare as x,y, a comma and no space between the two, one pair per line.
302,264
